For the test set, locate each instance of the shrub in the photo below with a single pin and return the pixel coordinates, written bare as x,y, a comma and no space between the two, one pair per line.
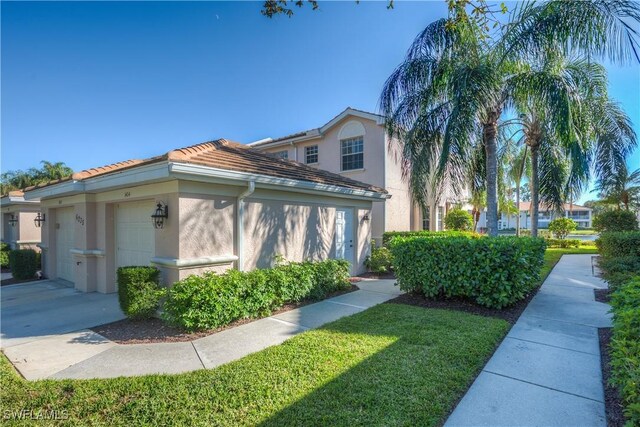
388,235
563,243
458,220
4,255
619,270
561,227
625,347
616,220
493,271
380,260
619,244
23,263
139,291
211,300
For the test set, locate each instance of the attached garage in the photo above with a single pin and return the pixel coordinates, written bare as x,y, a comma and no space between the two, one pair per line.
135,235
65,239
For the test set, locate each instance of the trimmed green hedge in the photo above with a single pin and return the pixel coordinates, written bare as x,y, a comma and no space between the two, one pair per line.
616,220
211,300
619,244
625,347
23,263
4,255
139,292
493,271
387,236
563,243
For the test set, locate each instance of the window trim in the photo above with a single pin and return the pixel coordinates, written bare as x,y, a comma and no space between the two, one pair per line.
361,137
316,154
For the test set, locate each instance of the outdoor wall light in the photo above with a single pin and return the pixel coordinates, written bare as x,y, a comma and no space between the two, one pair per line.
158,217
365,217
13,220
38,220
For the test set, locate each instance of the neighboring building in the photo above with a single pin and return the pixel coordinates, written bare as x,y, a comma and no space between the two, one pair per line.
18,228
355,144
217,205
580,214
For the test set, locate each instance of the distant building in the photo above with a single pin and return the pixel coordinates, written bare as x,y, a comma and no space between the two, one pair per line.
580,214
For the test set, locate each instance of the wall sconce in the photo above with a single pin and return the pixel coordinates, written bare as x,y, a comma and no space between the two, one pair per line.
158,217
365,217
13,220
38,220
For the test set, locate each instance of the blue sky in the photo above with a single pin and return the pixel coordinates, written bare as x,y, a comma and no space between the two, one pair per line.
95,83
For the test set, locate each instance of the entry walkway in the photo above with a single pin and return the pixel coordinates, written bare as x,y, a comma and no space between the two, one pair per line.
547,370
85,354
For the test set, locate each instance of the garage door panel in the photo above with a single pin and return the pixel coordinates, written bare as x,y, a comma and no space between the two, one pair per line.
135,235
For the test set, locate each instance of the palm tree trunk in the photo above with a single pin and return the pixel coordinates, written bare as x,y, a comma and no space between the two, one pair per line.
518,208
490,131
535,187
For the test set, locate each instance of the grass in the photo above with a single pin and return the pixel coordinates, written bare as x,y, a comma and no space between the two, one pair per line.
583,232
391,364
553,255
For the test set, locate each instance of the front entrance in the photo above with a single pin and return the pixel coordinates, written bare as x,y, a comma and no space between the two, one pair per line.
344,238
135,235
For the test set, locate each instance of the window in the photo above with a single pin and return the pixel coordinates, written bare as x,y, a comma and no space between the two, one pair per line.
440,218
281,154
311,154
426,218
352,153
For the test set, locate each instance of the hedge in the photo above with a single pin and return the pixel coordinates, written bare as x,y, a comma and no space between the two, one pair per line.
619,244
380,260
495,272
616,220
23,263
387,236
625,347
139,292
563,243
212,300
4,255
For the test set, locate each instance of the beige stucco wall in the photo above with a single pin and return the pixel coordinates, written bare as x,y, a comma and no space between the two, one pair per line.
24,234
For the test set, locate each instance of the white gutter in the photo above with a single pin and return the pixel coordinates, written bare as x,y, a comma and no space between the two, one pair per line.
240,223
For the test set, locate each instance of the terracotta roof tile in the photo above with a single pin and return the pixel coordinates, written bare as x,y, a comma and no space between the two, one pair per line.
233,156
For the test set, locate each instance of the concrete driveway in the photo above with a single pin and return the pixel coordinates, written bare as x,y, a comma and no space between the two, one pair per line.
36,310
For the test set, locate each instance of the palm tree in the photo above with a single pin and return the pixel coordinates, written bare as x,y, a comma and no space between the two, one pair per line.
57,170
622,189
20,179
446,99
518,166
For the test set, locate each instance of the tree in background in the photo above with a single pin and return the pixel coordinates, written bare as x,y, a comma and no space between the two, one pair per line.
20,179
459,220
621,189
562,227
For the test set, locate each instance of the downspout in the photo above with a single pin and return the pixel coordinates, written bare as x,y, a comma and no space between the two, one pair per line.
240,223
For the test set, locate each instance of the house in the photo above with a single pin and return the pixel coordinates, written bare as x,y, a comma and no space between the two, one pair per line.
354,144
19,228
580,214
207,207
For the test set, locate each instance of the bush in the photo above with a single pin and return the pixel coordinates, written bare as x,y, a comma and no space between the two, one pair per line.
23,263
563,243
625,347
211,300
4,255
493,271
139,291
561,227
380,260
388,235
617,220
458,220
619,244
619,270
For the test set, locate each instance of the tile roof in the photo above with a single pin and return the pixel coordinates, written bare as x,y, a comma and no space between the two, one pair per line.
232,156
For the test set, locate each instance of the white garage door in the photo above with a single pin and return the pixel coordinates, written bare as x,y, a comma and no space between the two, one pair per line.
135,235
65,228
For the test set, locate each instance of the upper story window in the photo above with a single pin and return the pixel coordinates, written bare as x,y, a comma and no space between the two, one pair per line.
311,154
352,156
281,154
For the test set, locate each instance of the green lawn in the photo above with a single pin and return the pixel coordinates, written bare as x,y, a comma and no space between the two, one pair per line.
584,232
389,365
553,255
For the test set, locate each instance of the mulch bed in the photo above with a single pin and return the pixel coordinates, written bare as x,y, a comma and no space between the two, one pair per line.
154,330
602,295
376,276
510,314
613,405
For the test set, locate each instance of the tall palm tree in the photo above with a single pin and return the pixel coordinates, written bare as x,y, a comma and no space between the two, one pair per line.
622,190
446,99
57,170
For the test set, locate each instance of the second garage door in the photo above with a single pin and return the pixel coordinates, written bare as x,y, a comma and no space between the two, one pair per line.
135,235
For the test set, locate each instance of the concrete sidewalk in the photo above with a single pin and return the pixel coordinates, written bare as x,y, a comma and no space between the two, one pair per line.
547,371
85,354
